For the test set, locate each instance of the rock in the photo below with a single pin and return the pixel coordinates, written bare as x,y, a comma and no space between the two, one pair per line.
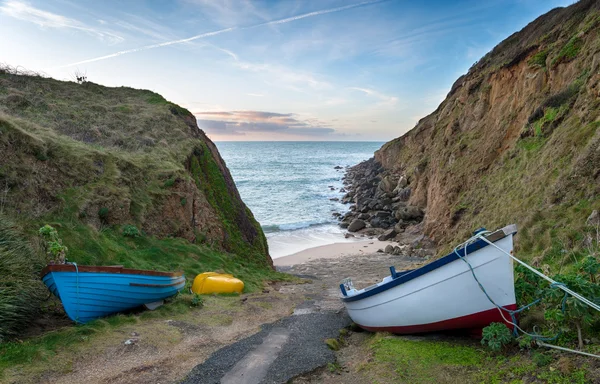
131,341
382,214
336,214
387,235
410,212
380,250
334,199
344,225
376,222
364,216
399,227
403,194
389,249
594,219
342,190
348,235
356,225
402,182
397,250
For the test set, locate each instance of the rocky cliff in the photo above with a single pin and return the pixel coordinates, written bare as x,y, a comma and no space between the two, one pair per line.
515,140
84,154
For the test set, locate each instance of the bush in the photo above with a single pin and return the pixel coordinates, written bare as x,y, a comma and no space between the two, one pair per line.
21,290
197,301
131,231
496,336
56,251
103,215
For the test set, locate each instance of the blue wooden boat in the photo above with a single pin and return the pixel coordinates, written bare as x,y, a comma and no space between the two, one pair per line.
90,292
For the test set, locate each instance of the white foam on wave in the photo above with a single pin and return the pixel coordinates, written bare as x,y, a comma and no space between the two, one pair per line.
287,243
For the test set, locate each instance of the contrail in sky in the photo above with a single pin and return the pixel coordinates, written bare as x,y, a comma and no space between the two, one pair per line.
208,34
149,47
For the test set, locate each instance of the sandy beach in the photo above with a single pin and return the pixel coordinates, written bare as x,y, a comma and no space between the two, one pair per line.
333,251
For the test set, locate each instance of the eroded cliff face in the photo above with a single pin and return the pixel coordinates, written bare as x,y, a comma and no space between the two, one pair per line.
516,139
115,156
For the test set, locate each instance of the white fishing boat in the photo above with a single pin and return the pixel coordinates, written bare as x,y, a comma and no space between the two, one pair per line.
441,295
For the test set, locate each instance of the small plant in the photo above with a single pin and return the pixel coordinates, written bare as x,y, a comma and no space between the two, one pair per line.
197,301
103,215
541,360
55,249
539,59
183,201
334,367
131,231
80,77
169,182
496,336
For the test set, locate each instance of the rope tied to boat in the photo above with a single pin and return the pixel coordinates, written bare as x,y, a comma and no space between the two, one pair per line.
76,290
539,339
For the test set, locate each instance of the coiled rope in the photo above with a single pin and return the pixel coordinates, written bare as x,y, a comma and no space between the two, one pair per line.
540,340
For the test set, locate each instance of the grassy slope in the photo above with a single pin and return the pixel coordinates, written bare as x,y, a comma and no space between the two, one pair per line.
499,150
71,151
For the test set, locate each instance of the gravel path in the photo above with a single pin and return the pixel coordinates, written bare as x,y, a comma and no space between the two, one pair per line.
295,345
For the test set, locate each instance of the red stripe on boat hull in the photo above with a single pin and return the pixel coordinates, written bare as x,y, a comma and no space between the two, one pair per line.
473,321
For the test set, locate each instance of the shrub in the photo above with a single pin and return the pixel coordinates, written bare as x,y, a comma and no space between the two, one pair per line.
131,231
20,288
197,301
183,201
103,214
169,182
539,59
55,250
496,336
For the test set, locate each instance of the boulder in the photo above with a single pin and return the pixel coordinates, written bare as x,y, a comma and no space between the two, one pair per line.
387,184
382,214
410,212
403,194
334,199
390,233
348,235
364,216
389,249
356,225
376,222
399,227
397,251
344,225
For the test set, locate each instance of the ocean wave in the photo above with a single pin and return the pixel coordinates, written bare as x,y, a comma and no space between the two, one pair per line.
294,226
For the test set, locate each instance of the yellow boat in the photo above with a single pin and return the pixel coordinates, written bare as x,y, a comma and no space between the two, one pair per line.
212,282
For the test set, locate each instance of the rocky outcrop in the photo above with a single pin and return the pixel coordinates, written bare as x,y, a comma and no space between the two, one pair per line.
516,140
379,202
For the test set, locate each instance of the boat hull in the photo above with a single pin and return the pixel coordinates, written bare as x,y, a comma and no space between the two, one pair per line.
88,293
442,298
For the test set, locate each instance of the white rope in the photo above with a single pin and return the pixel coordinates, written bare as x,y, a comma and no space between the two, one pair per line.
540,274
481,235
542,344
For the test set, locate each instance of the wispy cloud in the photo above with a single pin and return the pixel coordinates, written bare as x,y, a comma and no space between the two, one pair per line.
24,11
286,76
200,36
120,53
248,122
318,13
384,99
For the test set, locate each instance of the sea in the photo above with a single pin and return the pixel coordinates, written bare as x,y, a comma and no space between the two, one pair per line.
291,188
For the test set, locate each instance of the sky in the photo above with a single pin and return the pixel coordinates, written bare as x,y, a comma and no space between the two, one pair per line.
270,70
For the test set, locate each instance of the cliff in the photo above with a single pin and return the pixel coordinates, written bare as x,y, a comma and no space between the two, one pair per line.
516,139
93,159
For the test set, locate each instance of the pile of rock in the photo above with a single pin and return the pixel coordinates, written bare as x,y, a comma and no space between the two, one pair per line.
379,202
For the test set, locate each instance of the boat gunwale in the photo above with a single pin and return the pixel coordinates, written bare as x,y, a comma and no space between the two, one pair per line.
105,269
416,273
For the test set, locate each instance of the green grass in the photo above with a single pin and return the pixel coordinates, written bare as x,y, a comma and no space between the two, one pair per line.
402,360
539,59
20,289
110,247
568,52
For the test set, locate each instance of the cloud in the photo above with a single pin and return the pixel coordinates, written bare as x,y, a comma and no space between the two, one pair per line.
207,34
281,75
203,35
384,99
23,11
248,122
318,13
